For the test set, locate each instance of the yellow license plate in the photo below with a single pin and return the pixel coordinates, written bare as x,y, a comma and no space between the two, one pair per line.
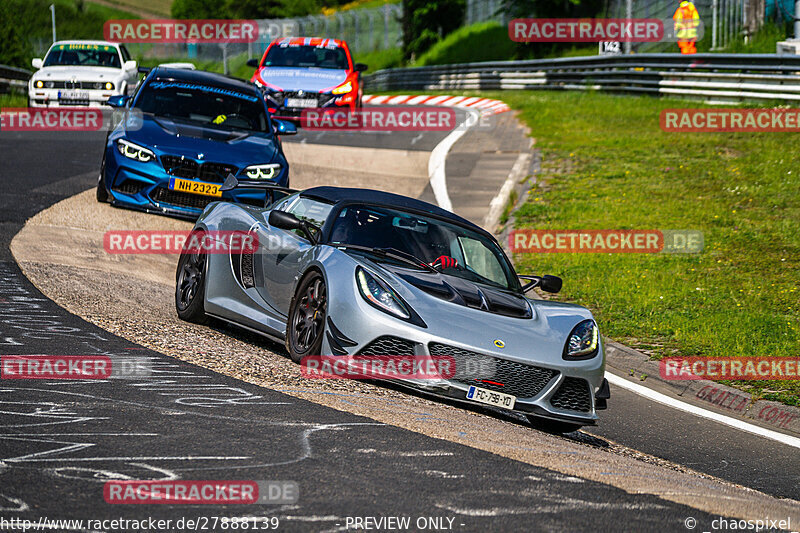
195,187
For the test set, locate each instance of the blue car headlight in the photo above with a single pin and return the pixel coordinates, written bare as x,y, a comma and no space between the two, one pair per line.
134,151
378,294
263,172
583,342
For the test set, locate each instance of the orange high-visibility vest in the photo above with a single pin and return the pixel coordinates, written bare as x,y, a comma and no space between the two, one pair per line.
687,19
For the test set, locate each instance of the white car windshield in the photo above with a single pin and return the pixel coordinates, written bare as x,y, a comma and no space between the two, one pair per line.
83,55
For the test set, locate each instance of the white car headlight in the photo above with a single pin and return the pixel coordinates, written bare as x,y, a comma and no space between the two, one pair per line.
134,151
583,341
39,84
377,293
262,172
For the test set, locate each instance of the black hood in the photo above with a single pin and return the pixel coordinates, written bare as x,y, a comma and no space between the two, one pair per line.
467,293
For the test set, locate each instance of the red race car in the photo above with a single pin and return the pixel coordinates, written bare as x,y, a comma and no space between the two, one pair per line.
298,73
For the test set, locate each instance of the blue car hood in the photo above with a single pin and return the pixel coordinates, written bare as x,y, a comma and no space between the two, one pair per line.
306,79
181,138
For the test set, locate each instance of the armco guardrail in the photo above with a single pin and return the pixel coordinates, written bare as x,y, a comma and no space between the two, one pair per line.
730,76
13,77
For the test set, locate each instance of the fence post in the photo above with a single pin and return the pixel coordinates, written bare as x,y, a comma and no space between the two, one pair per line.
385,26
714,7
628,15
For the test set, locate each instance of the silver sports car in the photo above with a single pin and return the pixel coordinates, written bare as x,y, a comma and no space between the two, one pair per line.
345,272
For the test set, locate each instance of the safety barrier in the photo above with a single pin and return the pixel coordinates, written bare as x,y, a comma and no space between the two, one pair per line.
708,76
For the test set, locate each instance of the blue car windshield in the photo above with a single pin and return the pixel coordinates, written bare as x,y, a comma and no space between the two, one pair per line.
306,56
477,258
204,105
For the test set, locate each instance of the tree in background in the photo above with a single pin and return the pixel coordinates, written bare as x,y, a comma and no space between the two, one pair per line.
16,49
425,22
550,9
248,9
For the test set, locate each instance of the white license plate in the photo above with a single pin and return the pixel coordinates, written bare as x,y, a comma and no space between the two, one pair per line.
491,397
73,95
301,102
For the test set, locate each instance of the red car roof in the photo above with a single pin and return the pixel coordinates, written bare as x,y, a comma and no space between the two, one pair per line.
310,41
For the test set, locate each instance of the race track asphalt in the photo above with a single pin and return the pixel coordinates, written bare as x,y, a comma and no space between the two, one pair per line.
60,440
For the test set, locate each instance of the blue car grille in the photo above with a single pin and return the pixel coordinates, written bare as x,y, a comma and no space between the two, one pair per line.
129,187
189,169
574,394
501,375
182,199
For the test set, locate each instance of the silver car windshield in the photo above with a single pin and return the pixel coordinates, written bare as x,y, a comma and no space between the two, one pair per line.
477,258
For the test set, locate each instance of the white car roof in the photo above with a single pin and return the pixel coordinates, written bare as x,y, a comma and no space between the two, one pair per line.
101,43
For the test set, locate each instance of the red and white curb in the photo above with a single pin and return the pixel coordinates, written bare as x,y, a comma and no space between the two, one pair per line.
487,106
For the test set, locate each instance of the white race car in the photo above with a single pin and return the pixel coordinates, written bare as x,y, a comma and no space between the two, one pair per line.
81,73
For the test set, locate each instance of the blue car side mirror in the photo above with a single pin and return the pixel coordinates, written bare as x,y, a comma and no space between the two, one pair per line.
118,100
283,127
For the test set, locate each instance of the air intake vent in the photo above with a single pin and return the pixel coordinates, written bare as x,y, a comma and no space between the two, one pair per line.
573,394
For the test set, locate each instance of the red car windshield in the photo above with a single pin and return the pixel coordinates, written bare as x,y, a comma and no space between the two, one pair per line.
306,56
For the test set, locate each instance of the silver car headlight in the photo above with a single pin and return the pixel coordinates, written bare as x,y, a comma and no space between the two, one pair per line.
134,151
263,172
583,341
378,294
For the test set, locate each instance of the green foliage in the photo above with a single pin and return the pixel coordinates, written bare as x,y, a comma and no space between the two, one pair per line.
763,41
485,41
245,9
21,21
425,22
381,59
199,9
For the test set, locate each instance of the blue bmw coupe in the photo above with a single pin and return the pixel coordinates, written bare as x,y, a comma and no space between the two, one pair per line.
184,134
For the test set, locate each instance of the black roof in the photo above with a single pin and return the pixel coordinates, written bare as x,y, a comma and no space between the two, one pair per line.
205,78
388,199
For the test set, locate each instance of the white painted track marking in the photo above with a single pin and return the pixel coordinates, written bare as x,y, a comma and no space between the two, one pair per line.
663,399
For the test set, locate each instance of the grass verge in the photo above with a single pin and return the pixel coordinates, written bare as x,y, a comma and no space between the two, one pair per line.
608,165
13,99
